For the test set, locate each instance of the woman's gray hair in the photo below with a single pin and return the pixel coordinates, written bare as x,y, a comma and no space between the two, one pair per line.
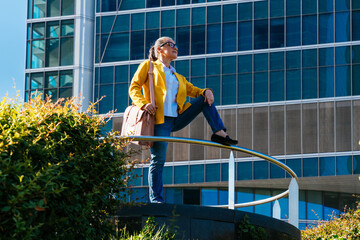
153,53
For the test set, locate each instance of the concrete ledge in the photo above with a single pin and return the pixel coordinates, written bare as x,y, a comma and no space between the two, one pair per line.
198,222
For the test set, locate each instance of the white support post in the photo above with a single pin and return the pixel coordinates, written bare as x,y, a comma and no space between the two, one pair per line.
231,181
276,210
294,203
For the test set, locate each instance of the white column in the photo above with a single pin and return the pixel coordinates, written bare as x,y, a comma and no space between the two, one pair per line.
231,181
276,210
294,203
84,51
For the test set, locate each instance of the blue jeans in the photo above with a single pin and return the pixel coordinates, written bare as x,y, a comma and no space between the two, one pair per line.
172,124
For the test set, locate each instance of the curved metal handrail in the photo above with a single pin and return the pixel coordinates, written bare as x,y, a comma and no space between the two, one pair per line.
232,147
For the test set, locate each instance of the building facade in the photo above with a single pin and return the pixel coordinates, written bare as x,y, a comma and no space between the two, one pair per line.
285,75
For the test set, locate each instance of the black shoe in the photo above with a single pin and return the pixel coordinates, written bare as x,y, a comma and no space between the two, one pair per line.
223,140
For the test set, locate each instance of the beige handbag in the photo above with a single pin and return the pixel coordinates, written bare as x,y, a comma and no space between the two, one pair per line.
137,122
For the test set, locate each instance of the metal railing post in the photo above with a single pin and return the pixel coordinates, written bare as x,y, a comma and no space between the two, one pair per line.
294,203
276,210
231,181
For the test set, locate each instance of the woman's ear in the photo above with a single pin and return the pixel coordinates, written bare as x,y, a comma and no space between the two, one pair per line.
158,49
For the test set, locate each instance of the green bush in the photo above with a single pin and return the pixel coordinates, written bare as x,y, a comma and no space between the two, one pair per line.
58,179
345,226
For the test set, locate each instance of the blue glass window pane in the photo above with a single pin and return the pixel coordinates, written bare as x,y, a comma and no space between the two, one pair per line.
245,195
137,21
245,11
167,18
326,28
355,80
293,85
263,209
276,171
342,81
314,205
213,38
229,37
244,171
152,3
214,14
342,27
229,65
182,2
181,174
139,195
168,175
197,39
209,197
132,4
293,32
277,86
152,20
106,104
311,167
183,17
118,47
173,195
212,172
198,16
292,7
261,170
122,23
198,82
356,54
223,197
326,56
295,165
261,87
302,204
197,67
151,37
342,5
214,84
182,67
309,6
167,3
277,61
261,9
245,36
229,13
293,59
224,172
213,66
356,163
244,63
309,83
276,8
145,177
137,45
327,166
121,99
260,34
245,88
229,89
326,82
331,205
342,55
108,6
260,62
344,165
168,32
106,75
183,40
356,25
326,6
277,32
355,4
196,173
309,31
106,23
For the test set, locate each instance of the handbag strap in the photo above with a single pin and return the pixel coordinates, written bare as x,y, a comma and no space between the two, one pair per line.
151,82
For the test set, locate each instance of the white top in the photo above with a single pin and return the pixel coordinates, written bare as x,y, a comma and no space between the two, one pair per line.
172,87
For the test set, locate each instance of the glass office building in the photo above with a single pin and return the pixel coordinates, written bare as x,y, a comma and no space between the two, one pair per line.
285,75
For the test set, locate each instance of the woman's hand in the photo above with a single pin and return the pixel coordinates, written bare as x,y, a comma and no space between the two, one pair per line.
150,108
209,97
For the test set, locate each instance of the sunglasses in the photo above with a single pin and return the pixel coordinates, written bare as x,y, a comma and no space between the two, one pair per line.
171,44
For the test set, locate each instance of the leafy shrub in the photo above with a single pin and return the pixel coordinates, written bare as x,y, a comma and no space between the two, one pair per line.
345,226
58,178
251,232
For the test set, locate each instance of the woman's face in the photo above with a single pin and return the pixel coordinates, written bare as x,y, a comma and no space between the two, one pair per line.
167,51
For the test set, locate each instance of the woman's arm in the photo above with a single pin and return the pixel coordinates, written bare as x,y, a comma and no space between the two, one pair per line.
137,82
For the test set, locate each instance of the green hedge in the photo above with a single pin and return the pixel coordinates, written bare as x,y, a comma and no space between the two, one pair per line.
58,180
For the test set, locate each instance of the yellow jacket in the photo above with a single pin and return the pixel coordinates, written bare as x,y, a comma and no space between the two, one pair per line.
140,81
